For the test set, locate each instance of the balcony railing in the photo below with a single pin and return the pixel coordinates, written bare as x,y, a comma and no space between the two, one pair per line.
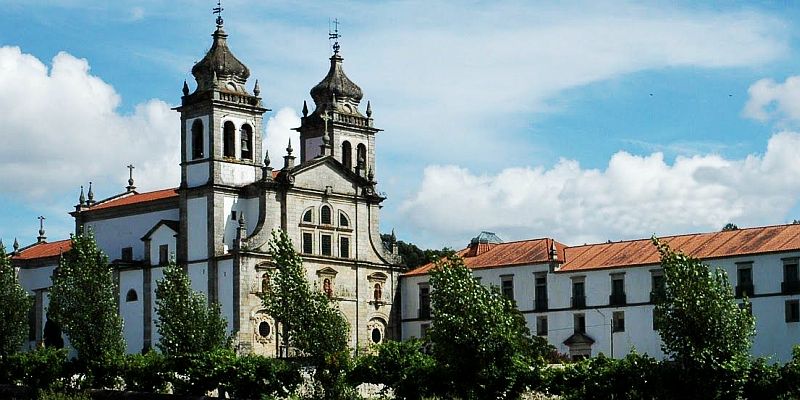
745,290
788,287
424,313
617,299
578,301
540,305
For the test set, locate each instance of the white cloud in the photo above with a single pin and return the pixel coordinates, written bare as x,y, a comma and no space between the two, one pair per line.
136,14
772,101
278,132
62,128
633,197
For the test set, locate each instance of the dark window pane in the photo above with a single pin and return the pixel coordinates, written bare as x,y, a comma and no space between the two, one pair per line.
344,247
308,243
326,245
325,215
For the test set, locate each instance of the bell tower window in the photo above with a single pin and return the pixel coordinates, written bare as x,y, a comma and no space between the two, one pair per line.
347,155
228,133
247,142
362,152
197,139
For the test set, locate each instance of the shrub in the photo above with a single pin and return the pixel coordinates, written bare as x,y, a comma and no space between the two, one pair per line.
402,366
256,377
42,369
145,373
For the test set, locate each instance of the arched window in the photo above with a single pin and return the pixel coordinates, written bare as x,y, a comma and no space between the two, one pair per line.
308,216
377,294
247,142
265,283
325,215
197,139
131,296
362,153
347,155
343,221
327,287
228,133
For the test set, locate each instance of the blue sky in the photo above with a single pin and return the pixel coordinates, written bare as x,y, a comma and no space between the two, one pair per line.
583,121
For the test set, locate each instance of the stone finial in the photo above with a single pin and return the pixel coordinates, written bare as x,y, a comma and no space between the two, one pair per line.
185,88
41,238
130,186
394,237
288,159
266,158
91,195
371,175
266,170
369,109
242,221
15,246
257,89
305,108
82,198
553,251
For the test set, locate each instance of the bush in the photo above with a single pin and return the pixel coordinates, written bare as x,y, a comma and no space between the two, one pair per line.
633,377
42,369
145,373
256,377
402,366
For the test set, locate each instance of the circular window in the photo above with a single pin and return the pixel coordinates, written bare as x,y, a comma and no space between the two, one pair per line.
376,335
264,329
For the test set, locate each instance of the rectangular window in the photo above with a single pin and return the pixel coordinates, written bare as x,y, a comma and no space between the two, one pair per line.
423,330
792,310
344,247
791,281
424,311
579,323
507,286
163,254
540,293
541,325
578,294
308,243
325,244
656,287
617,296
233,215
744,280
618,321
127,254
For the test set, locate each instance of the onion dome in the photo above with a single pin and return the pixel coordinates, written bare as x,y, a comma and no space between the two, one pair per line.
220,64
336,85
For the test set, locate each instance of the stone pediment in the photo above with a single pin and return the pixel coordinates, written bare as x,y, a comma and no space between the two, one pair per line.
327,271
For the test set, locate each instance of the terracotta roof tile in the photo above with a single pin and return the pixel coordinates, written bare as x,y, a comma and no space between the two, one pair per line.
135,198
44,250
741,242
532,251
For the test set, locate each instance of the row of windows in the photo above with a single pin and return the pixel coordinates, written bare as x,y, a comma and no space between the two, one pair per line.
347,154
325,216
126,254
326,245
228,140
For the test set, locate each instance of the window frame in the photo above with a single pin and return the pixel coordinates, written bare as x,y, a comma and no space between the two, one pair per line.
322,248
307,242
344,248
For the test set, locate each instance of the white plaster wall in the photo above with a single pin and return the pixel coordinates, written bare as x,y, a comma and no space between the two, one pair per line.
225,290
198,274
197,174
162,235
115,233
36,278
132,313
156,274
197,234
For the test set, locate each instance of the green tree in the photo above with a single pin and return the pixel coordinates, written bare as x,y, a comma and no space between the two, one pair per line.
703,329
83,299
413,256
187,323
16,304
404,367
311,322
479,337
730,227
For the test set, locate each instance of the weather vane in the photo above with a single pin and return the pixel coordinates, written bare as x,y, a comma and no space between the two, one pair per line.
334,35
218,10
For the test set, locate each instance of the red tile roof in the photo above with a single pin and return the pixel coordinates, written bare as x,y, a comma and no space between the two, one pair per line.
135,198
740,242
534,251
44,250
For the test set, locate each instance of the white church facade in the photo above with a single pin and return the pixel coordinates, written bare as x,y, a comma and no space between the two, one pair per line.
218,222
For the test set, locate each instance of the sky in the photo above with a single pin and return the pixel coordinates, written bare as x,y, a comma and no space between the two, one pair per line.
580,121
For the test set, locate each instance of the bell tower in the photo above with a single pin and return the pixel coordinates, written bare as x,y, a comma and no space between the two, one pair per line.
336,126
